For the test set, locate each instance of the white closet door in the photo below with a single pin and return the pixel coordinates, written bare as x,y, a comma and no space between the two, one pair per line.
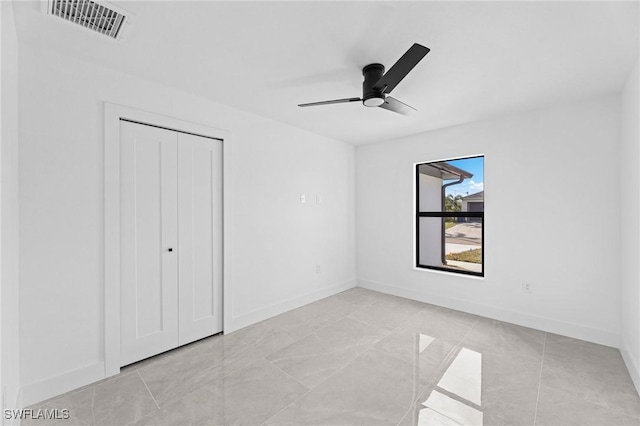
200,236
149,274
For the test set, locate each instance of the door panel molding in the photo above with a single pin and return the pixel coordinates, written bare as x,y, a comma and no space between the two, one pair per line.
200,222
113,114
149,225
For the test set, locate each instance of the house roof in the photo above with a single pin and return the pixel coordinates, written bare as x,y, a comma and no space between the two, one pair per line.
443,170
476,196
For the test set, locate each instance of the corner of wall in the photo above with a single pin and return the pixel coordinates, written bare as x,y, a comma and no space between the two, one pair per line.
550,325
236,323
11,395
632,367
53,386
630,216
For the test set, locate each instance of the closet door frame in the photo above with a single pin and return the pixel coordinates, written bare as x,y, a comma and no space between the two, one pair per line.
113,114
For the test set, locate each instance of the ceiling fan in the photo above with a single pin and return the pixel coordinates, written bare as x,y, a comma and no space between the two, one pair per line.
377,84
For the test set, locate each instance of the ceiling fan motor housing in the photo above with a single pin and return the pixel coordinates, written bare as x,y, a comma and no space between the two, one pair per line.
370,96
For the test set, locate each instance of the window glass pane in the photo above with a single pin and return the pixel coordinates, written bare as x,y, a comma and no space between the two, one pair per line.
461,180
451,243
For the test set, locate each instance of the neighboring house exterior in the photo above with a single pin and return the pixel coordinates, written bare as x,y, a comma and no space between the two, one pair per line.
473,202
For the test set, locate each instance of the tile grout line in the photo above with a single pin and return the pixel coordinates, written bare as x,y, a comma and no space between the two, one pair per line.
222,376
453,349
324,381
287,374
296,339
148,390
544,346
93,403
292,402
360,307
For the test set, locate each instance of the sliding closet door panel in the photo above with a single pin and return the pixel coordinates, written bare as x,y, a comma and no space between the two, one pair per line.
200,235
149,284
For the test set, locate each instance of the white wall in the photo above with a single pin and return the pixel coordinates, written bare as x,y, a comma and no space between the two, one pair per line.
9,343
277,241
630,221
551,193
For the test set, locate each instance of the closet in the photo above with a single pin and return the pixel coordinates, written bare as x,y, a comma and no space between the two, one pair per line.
170,239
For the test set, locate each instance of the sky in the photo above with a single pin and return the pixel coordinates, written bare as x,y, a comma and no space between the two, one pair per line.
470,186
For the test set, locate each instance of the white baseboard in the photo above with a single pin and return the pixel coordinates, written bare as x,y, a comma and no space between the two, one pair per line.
18,421
241,321
57,385
631,363
13,421
550,325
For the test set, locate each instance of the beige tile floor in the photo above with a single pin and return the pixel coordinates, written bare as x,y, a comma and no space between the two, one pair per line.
366,358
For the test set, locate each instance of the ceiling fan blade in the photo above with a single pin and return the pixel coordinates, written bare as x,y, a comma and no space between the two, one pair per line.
400,69
335,101
392,104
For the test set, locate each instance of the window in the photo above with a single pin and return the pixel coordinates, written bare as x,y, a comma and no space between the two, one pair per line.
450,215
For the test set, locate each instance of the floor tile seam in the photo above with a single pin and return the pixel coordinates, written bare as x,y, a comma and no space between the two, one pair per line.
305,356
388,332
405,415
394,356
590,372
415,397
590,401
289,404
587,365
351,359
93,402
463,338
544,347
456,397
275,327
347,301
371,348
133,422
287,374
148,390
528,357
360,308
609,409
173,400
324,381
315,332
295,340
323,327
86,387
399,326
454,351
249,362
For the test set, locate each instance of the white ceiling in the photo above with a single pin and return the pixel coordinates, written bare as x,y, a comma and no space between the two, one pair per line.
487,59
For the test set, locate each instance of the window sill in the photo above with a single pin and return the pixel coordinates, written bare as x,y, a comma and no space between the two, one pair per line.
455,274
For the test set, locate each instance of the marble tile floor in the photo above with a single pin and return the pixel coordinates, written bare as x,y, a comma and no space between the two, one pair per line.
366,358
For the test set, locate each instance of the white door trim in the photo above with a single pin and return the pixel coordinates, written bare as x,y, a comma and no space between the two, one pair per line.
112,115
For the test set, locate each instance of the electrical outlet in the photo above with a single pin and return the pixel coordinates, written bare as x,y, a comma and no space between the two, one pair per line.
303,199
318,199
527,287
318,269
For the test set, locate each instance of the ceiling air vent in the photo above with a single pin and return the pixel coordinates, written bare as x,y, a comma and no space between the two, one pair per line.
100,17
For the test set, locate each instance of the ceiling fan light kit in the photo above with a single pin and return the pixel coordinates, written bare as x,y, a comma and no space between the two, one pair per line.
372,96
377,84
